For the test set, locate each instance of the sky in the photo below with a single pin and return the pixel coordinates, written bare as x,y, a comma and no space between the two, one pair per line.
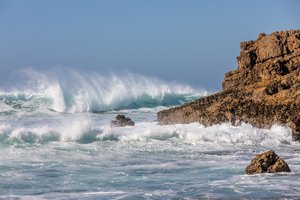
188,41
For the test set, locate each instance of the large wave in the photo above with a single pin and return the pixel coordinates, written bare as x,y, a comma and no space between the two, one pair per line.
66,90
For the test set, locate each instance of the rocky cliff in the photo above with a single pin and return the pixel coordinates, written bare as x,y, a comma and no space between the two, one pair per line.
264,90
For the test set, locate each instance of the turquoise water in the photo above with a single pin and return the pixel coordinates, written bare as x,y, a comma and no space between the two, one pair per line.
60,146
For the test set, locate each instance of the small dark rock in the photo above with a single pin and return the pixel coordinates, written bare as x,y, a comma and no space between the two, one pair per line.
281,68
271,89
122,121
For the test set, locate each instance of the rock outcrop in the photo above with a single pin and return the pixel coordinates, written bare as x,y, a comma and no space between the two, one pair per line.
122,121
264,90
267,162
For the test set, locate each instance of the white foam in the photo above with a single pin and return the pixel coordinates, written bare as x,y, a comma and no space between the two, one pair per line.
196,134
75,128
66,130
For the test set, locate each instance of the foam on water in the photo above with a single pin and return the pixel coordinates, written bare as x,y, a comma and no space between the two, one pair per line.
81,129
66,130
80,156
196,134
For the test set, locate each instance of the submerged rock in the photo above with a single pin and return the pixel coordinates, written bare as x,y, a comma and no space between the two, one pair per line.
264,90
267,162
122,121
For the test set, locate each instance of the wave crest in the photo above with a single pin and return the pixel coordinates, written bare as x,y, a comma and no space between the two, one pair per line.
70,91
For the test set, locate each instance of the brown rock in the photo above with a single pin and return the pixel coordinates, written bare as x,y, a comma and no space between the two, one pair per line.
269,46
122,121
267,162
264,90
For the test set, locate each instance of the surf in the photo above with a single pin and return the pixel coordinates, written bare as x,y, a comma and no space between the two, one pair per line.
84,130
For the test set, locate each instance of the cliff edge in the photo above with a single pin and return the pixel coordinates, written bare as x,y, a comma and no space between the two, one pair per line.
264,90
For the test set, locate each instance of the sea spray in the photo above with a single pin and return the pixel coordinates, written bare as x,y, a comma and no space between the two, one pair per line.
71,91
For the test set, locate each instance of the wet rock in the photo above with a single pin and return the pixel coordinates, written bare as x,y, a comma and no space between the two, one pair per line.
267,162
122,121
262,91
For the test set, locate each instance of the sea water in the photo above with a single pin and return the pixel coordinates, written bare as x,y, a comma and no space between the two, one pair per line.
57,143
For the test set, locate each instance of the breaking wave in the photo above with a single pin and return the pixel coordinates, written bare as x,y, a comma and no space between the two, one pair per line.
147,133
71,91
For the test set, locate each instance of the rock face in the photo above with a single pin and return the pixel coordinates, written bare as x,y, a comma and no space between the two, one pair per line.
267,162
264,90
122,121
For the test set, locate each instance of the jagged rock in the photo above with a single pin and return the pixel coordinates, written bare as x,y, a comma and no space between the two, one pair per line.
267,162
122,121
264,90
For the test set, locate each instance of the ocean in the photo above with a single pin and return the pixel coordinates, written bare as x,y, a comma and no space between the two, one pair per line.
57,143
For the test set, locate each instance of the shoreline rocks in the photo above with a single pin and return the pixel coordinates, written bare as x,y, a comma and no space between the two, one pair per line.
267,162
263,90
122,121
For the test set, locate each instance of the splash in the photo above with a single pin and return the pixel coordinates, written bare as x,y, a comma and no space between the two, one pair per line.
71,91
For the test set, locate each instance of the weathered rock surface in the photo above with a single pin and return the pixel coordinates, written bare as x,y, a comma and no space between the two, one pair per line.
264,90
122,121
267,162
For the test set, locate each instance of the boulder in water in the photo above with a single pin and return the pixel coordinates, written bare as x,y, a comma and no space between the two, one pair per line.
267,162
122,121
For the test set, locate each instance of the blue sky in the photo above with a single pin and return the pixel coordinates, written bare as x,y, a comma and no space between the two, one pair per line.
192,41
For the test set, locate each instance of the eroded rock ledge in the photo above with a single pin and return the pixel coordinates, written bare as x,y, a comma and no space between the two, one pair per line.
264,90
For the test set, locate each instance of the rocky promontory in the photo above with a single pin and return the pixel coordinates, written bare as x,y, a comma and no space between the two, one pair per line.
263,90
